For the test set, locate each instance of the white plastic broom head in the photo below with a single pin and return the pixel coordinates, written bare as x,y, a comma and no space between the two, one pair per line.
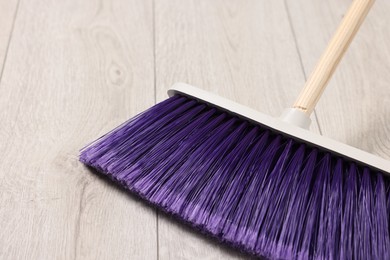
290,126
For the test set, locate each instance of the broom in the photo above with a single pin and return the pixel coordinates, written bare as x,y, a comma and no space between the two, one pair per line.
264,185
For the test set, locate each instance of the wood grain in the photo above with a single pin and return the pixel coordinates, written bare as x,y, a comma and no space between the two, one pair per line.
74,70
355,107
242,50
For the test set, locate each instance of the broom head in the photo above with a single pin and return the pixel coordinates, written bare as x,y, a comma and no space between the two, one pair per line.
250,180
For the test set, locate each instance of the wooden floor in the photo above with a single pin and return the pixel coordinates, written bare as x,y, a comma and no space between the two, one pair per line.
72,70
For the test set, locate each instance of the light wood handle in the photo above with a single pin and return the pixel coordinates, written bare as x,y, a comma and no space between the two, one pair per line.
329,60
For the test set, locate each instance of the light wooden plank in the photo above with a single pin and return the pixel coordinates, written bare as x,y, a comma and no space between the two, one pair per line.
75,69
243,50
355,107
8,9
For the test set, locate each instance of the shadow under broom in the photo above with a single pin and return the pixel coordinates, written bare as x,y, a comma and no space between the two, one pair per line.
260,184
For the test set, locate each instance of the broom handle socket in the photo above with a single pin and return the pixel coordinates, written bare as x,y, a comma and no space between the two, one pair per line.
329,60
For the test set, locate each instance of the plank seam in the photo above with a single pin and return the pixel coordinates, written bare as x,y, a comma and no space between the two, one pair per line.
300,57
9,40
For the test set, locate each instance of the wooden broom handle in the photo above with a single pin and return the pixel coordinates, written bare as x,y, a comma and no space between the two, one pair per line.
329,60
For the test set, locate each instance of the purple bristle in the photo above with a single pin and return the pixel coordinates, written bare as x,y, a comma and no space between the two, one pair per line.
261,192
